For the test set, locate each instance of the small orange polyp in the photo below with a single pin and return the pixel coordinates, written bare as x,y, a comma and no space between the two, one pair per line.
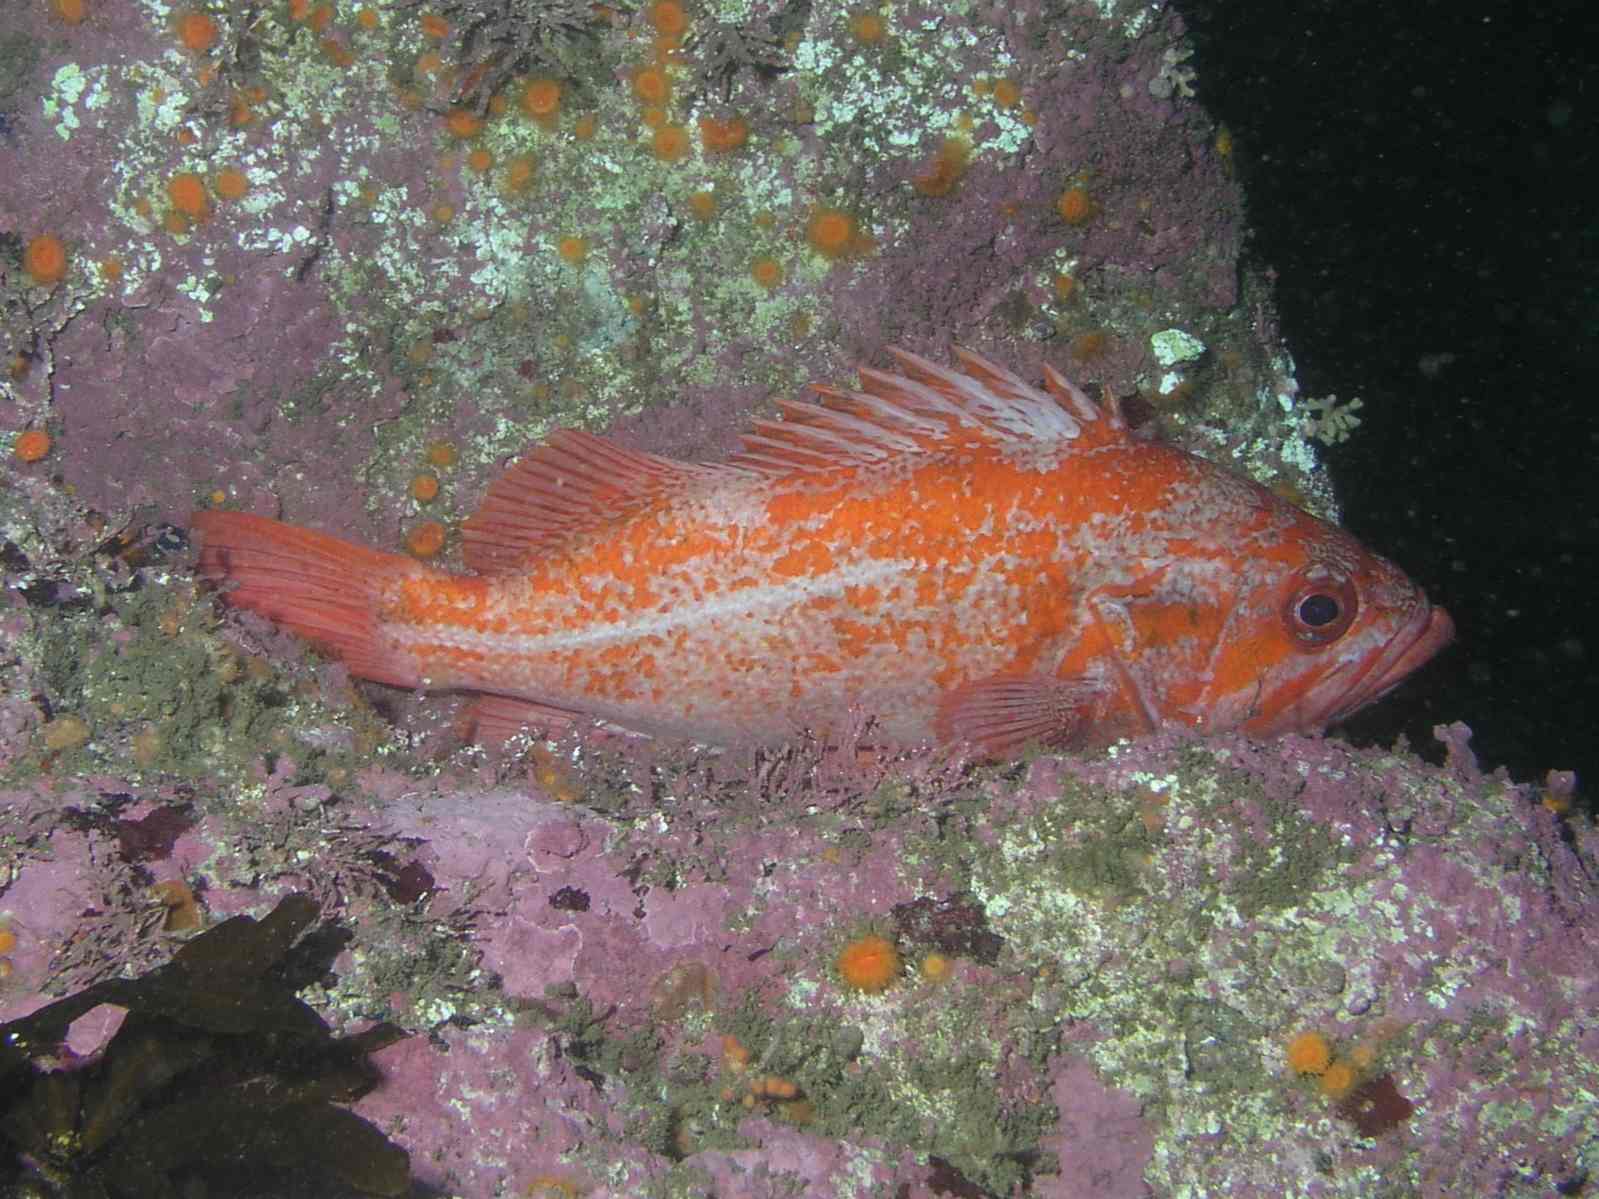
231,183
1309,1052
832,232
463,123
1076,206
1339,1079
723,135
768,272
426,540
869,963
541,100
196,31
669,143
31,446
44,259
186,191
651,85
668,17
868,28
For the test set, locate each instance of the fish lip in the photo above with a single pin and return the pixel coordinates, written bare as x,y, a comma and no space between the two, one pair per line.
1428,630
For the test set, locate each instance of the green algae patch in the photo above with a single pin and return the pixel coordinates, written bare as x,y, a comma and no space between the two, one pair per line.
157,691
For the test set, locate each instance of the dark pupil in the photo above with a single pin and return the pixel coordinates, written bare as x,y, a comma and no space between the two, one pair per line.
1318,610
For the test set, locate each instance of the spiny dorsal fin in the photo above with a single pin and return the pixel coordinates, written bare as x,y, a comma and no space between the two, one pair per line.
924,409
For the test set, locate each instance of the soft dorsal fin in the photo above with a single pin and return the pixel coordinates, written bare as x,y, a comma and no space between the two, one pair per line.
571,484
923,409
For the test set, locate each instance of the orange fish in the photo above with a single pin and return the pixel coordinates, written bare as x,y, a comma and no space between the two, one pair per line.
962,555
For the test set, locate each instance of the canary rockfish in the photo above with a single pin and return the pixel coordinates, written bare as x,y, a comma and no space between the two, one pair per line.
963,556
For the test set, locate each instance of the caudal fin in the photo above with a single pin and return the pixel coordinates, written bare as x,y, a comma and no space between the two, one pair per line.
321,587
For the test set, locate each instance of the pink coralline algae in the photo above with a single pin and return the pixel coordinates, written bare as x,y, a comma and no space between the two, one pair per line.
1103,1142
598,987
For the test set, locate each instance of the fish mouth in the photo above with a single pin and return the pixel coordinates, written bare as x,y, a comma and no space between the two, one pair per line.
1427,631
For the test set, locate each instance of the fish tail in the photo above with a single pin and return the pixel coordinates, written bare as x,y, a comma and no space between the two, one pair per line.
322,587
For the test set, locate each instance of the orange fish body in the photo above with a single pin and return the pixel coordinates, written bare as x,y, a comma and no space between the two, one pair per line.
961,555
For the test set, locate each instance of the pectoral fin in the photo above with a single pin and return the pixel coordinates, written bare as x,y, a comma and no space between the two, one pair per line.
492,720
1001,714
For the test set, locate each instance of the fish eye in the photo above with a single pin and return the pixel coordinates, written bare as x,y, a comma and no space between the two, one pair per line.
1320,610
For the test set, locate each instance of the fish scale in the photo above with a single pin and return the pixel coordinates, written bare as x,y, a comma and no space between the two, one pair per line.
966,557
781,615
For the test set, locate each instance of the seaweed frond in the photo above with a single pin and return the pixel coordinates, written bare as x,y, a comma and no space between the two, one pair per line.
720,51
496,41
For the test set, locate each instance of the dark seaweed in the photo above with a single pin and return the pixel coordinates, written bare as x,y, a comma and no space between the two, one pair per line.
218,1074
497,40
